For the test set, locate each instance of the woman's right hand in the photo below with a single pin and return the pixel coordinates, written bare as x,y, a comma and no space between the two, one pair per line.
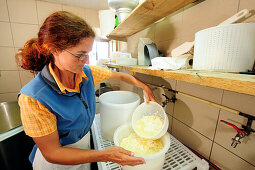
123,157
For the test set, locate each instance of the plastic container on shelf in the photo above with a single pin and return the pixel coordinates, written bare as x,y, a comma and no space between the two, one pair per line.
150,109
116,108
126,61
153,162
107,21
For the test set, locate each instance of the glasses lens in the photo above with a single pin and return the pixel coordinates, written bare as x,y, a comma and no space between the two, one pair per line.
83,57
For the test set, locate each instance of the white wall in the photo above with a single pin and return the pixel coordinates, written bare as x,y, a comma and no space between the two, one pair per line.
19,21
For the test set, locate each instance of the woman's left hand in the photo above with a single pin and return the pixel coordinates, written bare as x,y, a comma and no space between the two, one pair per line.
148,94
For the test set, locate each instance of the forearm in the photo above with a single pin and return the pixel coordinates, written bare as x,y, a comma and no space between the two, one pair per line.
73,156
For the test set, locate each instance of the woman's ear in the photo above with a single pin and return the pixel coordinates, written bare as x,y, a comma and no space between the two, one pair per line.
55,51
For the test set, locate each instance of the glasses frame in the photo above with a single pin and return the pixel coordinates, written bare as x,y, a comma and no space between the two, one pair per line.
80,58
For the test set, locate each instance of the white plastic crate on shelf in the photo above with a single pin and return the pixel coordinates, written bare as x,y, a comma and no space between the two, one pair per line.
177,157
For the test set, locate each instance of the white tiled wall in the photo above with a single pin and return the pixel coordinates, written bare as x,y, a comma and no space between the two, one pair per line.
19,21
22,11
193,122
3,11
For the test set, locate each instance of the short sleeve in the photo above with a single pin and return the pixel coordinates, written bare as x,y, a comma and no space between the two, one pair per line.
37,120
100,74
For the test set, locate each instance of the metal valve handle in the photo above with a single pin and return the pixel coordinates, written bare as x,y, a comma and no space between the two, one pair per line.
234,126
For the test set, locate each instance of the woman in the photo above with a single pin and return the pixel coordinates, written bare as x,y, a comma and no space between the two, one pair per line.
58,105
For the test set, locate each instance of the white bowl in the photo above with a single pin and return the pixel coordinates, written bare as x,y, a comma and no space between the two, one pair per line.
146,109
153,162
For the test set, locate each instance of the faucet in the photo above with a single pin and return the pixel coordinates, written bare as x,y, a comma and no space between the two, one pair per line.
241,133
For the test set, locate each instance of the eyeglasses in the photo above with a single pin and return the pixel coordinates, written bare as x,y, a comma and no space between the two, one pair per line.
80,57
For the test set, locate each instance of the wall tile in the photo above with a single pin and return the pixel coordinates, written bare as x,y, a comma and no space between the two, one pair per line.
81,12
25,77
9,81
203,92
134,39
207,14
167,83
16,51
127,87
44,9
92,17
170,27
115,84
167,46
248,4
228,161
191,138
196,114
225,133
241,102
140,93
7,61
158,93
22,11
144,77
3,11
23,32
170,119
123,47
7,97
5,34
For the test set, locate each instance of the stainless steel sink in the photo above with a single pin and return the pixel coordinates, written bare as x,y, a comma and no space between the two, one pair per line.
9,116
15,145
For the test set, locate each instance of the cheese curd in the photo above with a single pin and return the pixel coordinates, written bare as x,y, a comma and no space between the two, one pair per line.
149,126
141,146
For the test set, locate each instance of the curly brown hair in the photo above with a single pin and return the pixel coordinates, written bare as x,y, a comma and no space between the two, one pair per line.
59,31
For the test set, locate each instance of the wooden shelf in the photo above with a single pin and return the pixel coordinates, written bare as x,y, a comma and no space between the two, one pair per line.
145,14
239,83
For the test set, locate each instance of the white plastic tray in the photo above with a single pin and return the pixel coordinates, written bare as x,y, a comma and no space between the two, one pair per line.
177,157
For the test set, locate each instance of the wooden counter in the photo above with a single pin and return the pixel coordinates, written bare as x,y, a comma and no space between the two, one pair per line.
239,83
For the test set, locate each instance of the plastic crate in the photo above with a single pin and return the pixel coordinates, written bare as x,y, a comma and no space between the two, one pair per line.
177,157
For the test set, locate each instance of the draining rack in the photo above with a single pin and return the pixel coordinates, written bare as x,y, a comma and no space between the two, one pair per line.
177,157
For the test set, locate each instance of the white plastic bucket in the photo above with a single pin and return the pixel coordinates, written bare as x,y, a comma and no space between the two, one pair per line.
153,162
116,108
107,21
147,109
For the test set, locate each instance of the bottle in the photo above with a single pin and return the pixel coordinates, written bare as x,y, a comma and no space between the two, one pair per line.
116,21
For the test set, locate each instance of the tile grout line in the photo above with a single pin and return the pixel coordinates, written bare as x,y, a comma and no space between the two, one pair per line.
214,134
216,143
234,154
192,128
37,13
213,141
238,6
12,38
221,100
18,22
173,107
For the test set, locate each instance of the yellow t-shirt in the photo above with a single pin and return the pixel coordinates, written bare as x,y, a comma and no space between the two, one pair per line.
37,120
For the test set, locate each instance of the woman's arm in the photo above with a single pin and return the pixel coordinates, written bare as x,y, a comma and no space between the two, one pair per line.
53,152
149,96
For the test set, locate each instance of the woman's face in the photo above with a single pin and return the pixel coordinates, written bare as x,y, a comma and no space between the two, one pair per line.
73,59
